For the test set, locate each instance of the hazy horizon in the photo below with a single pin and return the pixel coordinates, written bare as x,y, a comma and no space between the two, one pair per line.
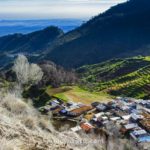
27,26
52,9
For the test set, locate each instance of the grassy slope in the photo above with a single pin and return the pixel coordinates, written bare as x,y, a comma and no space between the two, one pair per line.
4,85
76,94
126,77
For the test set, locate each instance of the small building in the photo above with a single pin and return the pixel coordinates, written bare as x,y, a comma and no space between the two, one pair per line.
68,104
105,122
55,103
104,118
87,127
145,138
72,107
81,110
124,108
140,136
101,107
56,110
137,133
135,111
130,126
115,118
63,112
99,114
89,116
126,117
76,129
94,104
71,114
136,117
121,121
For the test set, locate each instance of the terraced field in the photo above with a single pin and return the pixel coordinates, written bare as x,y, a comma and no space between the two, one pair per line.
123,77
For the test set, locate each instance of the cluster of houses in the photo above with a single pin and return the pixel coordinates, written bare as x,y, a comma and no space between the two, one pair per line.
130,116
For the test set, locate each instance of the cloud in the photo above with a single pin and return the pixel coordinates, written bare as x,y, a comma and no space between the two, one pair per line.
26,9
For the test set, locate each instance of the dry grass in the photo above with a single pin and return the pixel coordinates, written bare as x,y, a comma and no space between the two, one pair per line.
29,122
13,104
44,123
6,144
22,126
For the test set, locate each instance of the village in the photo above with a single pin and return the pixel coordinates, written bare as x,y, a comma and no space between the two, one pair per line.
130,116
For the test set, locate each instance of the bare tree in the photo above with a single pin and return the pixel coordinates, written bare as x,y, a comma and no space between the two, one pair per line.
21,68
27,73
35,74
56,76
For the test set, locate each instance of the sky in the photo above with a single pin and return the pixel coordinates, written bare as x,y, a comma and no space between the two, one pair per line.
53,9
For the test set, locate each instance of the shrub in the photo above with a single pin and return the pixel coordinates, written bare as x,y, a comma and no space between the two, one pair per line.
14,105
29,122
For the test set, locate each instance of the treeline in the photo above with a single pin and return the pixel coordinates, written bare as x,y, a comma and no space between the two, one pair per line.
53,75
56,76
33,79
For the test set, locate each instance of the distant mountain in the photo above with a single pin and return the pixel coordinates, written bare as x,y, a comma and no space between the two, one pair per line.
122,31
28,26
119,77
31,44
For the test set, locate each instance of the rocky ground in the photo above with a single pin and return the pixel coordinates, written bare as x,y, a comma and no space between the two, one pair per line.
23,128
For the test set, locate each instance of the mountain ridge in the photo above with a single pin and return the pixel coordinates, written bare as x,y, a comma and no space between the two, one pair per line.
28,26
121,31
106,36
31,44
33,41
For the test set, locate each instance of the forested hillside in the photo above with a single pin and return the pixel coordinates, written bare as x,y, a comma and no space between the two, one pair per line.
122,31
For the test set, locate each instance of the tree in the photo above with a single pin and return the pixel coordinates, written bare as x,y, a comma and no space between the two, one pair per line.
21,68
27,73
56,76
35,74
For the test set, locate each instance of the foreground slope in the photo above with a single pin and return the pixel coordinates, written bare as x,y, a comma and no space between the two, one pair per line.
126,77
23,128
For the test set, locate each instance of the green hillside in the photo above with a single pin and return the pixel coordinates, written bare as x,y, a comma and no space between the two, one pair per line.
119,77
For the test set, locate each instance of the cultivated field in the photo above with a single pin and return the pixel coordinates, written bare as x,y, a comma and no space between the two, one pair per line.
76,94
